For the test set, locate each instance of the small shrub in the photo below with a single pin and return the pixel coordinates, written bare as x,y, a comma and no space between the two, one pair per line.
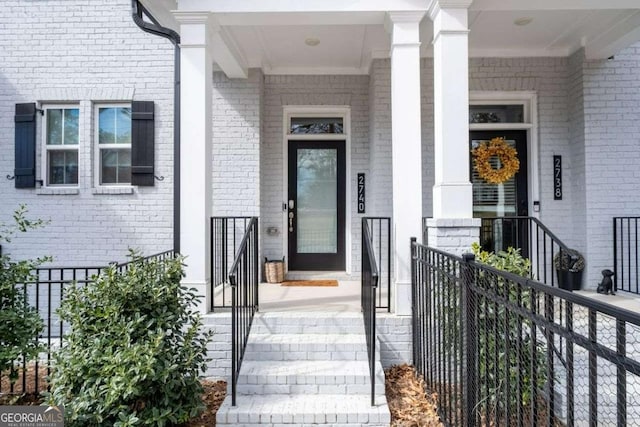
499,328
134,352
20,324
569,260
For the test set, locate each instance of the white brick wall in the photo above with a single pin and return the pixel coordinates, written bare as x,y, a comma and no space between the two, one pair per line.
548,77
612,152
236,144
280,91
85,52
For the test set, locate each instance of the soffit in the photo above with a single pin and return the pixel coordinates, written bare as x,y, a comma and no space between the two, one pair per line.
271,34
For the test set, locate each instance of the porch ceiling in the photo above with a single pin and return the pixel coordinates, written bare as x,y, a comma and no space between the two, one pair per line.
271,34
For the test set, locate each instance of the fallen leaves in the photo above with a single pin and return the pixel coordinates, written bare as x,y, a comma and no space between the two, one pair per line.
214,394
409,404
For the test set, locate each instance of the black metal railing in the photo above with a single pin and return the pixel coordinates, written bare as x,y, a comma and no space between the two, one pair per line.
45,292
528,234
244,280
501,349
626,254
380,238
369,282
226,234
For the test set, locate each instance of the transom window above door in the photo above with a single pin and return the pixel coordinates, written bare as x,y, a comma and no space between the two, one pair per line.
316,125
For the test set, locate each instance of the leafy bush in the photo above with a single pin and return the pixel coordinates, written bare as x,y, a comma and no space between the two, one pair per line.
499,328
20,324
134,351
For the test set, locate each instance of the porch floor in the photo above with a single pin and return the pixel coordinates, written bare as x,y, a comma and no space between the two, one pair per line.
624,300
342,298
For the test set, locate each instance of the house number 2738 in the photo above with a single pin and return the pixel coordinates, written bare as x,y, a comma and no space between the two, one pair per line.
557,177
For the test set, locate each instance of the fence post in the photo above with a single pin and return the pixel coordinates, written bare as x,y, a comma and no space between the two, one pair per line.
469,330
615,256
414,317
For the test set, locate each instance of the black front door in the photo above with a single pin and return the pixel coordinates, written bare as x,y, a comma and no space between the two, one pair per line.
507,199
316,205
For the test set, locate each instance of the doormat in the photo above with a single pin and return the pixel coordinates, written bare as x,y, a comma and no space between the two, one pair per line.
310,283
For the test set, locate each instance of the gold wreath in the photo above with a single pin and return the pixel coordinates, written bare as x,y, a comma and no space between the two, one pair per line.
508,156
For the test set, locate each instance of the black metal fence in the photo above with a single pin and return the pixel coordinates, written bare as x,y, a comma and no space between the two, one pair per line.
625,254
226,234
45,293
528,234
501,349
244,280
369,281
380,240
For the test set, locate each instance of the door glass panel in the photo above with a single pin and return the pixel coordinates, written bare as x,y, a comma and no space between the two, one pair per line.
493,200
317,210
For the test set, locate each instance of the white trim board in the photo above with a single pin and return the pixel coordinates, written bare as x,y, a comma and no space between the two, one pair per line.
318,111
529,100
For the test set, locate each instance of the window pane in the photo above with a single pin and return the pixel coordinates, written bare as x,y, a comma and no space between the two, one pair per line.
63,167
54,127
115,166
106,126
314,125
496,114
123,126
114,125
71,123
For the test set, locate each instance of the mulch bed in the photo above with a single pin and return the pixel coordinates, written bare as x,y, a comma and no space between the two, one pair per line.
409,404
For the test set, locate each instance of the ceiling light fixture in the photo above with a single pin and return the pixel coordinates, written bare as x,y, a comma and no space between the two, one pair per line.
521,22
312,41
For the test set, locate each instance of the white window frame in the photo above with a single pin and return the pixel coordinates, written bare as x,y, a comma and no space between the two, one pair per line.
98,147
46,148
529,100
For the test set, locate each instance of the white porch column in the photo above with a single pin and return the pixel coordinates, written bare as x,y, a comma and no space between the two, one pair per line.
452,228
195,155
406,145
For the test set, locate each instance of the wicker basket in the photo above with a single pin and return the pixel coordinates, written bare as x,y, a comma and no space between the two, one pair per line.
274,270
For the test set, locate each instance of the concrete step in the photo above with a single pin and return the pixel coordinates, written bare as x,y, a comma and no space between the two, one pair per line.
303,323
278,409
309,377
306,347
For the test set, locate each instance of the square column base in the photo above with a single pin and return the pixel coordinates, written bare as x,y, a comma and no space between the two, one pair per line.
203,290
453,235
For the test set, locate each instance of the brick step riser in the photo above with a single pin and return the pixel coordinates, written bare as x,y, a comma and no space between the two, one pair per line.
256,418
307,329
266,353
346,389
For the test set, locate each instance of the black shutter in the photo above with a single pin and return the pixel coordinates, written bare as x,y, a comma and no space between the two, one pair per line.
25,163
142,143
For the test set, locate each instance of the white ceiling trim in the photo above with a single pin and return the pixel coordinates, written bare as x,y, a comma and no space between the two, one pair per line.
318,70
531,5
253,6
300,18
626,33
227,54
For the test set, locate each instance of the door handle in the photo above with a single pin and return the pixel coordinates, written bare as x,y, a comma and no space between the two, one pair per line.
292,205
